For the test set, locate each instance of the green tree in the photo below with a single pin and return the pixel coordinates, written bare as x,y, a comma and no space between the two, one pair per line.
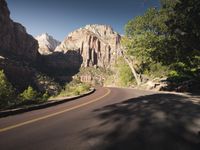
183,24
169,36
146,39
149,40
6,91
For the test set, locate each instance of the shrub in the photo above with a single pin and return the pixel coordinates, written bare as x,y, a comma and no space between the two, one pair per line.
124,72
6,91
29,94
74,88
45,96
173,73
155,70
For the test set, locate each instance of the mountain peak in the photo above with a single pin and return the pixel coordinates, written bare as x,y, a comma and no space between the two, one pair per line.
44,36
98,45
98,26
100,29
47,43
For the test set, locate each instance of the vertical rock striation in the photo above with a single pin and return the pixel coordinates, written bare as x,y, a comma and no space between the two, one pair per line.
98,45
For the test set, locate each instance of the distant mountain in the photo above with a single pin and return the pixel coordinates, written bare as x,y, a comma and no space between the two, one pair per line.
47,44
98,45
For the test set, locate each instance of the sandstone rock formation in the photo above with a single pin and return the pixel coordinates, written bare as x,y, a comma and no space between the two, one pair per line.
98,45
47,44
13,37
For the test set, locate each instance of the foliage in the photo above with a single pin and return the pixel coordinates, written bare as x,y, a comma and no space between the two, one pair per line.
6,91
149,36
124,72
10,99
156,70
45,96
166,38
29,94
74,88
184,26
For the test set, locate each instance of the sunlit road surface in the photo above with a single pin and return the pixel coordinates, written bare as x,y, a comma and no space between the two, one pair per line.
109,119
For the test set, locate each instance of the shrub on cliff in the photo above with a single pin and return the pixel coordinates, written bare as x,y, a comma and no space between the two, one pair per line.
29,95
6,91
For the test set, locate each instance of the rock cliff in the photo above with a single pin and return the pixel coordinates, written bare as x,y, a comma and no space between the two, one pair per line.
47,44
98,45
14,38
19,56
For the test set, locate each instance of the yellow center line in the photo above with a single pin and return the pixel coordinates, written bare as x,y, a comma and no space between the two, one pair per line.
54,114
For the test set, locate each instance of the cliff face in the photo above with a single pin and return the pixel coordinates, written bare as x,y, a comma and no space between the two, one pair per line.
14,38
18,55
98,45
47,44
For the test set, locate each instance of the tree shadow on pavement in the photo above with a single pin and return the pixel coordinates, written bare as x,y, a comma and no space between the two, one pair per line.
152,122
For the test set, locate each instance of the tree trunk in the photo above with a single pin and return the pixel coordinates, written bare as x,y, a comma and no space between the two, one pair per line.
133,70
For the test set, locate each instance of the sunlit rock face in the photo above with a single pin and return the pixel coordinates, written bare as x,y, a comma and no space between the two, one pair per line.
14,38
47,44
98,45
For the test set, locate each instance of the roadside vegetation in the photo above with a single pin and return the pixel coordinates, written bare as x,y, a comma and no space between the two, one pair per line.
123,76
74,88
7,92
11,98
165,42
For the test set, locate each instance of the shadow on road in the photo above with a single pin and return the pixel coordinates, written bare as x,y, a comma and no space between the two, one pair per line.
152,122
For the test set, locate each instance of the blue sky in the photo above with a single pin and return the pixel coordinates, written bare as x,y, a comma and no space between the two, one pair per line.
60,17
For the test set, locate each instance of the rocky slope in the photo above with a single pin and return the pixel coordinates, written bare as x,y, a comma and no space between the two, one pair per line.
98,45
47,44
14,38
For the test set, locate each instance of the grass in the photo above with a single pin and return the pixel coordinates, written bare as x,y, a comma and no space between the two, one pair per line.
74,88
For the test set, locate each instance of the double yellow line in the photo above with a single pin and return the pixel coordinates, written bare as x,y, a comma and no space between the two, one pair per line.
54,114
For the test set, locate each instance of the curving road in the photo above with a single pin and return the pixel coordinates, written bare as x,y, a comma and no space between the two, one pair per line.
109,119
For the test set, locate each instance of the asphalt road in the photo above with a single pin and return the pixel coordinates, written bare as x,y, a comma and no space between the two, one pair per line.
109,119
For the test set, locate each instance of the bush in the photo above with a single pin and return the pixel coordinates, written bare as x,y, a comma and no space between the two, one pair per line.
173,74
6,91
29,94
74,88
155,70
45,96
125,74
